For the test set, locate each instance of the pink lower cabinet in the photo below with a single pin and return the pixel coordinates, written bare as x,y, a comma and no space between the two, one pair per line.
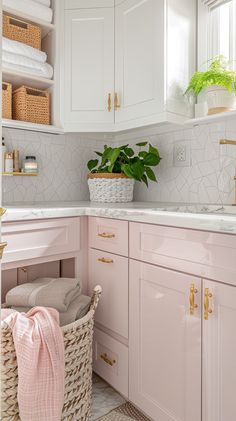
110,361
165,343
219,352
111,272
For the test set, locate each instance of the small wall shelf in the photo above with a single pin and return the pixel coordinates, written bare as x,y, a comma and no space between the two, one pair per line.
211,118
19,174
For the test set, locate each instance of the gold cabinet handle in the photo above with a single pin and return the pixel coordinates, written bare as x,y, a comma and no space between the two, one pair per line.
104,260
106,235
107,360
109,103
2,211
2,247
116,102
207,310
192,305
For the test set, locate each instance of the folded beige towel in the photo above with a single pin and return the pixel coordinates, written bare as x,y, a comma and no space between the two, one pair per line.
76,310
45,292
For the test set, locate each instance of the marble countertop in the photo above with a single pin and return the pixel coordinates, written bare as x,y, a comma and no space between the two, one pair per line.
216,218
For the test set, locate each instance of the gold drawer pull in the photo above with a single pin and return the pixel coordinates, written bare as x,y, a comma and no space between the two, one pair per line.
207,310
2,247
193,306
2,211
104,260
106,235
107,360
109,103
116,102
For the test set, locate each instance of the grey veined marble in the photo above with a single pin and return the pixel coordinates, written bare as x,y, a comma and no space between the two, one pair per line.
216,218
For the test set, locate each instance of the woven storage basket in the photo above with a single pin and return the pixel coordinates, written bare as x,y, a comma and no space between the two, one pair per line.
78,337
6,100
110,188
19,30
32,105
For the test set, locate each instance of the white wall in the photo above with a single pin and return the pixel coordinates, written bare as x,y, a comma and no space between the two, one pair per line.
62,163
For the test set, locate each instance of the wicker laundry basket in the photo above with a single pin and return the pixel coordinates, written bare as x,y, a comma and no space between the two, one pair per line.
6,100
78,338
32,105
19,30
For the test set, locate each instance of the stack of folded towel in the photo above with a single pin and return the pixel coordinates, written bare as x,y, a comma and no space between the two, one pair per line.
62,294
36,8
21,57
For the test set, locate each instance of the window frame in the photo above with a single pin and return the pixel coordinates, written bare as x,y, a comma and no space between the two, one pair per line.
205,37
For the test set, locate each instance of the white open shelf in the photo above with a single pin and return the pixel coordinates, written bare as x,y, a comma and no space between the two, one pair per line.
46,27
211,118
18,79
24,125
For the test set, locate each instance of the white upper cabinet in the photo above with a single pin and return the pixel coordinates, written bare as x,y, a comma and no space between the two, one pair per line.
141,52
89,69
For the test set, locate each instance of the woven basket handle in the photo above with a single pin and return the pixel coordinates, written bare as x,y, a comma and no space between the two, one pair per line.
95,297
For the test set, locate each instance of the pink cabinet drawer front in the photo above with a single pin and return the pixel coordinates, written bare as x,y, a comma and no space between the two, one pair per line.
202,253
111,272
110,361
36,239
109,235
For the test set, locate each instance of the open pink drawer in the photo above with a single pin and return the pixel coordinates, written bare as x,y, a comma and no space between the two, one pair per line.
38,239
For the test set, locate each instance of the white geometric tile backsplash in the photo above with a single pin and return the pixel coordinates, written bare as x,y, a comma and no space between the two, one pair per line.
62,166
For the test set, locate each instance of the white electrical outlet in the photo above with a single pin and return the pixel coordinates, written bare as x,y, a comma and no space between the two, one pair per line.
182,154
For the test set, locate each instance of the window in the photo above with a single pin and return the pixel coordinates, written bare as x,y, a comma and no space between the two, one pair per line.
217,32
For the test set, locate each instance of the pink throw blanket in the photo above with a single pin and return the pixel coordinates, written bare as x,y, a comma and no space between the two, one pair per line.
39,345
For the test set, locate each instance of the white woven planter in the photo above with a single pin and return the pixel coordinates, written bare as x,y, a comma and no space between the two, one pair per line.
110,188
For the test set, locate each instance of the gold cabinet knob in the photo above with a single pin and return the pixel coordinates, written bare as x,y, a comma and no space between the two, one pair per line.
105,260
106,235
207,309
2,247
2,211
109,103
116,102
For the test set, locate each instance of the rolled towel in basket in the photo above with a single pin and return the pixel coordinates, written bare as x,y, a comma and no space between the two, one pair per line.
46,292
45,69
16,47
76,310
31,8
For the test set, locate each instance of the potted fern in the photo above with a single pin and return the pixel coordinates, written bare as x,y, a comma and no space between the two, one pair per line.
218,83
112,175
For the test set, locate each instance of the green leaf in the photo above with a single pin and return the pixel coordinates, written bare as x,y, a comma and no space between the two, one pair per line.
151,159
113,155
138,170
141,144
92,164
125,168
123,147
142,154
129,151
99,153
154,150
145,180
151,175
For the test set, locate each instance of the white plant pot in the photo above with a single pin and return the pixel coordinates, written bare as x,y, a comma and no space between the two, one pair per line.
110,188
219,100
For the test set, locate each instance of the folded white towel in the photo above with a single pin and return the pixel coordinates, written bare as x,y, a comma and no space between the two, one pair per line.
16,47
46,73
31,8
44,69
45,292
44,2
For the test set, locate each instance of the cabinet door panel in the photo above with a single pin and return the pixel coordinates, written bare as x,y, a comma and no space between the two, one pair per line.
89,65
219,351
165,344
139,53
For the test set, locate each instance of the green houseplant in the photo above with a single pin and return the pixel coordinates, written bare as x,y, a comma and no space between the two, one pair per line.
218,83
112,175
